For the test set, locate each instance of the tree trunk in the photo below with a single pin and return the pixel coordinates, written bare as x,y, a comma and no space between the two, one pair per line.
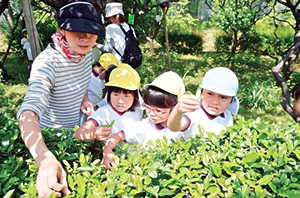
151,46
167,39
31,28
285,101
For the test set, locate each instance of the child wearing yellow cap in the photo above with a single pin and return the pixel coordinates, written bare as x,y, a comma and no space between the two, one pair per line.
123,106
159,99
98,75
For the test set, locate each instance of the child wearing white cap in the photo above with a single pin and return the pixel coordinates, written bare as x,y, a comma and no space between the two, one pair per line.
123,106
214,111
114,36
159,99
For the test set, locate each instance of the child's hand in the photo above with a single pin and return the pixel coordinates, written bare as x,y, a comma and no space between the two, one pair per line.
187,103
102,133
108,159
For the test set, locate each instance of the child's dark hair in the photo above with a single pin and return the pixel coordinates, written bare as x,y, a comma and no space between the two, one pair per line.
108,71
296,92
96,64
157,97
135,94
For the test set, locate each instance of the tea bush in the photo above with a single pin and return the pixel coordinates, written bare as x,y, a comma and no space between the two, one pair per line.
251,159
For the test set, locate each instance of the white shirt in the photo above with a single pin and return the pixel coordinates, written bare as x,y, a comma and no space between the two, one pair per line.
108,114
23,41
115,37
146,130
208,124
28,51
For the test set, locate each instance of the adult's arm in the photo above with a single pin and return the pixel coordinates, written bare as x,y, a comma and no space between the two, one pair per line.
51,175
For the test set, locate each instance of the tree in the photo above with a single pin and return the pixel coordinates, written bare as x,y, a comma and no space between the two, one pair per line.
3,6
237,17
288,63
31,28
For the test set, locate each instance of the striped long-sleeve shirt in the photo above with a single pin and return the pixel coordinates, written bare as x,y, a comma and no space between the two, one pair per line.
56,88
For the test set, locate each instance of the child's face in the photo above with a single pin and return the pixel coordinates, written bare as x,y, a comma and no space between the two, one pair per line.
80,42
98,69
214,103
157,115
121,101
296,106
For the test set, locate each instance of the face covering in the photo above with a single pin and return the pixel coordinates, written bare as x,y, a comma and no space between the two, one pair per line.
60,42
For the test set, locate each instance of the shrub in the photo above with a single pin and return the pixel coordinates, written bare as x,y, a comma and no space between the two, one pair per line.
223,43
185,43
250,159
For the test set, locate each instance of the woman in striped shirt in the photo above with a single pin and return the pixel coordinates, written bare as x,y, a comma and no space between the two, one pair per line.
57,89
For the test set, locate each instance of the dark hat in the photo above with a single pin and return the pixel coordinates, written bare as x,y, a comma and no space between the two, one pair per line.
81,17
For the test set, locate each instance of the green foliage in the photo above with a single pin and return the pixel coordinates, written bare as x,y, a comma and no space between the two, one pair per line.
183,43
260,96
17,168
244,161
17,69
223,43
237,19
275,41
179,18
11,100
250,159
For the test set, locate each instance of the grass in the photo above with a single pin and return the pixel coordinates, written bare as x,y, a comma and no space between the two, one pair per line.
258,93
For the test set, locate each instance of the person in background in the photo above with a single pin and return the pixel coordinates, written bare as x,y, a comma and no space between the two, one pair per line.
114,36
25,40
123,106
159,100
98,76
27,51
296,96
214,111
57,90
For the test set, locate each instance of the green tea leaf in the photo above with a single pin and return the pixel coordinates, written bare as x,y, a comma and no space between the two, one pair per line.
252,157
265,179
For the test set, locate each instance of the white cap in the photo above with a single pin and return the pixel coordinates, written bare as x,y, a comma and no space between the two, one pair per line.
223,81
112,9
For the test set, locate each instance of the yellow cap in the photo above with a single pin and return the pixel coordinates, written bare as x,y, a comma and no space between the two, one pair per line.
124,76
107,59
169,82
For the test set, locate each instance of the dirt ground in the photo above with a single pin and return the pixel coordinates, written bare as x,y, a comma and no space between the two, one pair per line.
209,40
3,45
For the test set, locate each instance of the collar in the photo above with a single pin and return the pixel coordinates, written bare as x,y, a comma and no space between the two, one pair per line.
159,127
211,117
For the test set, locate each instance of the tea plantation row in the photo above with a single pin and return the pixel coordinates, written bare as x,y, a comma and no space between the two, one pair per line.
251,159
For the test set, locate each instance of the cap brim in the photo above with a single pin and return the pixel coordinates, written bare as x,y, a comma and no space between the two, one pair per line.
82,25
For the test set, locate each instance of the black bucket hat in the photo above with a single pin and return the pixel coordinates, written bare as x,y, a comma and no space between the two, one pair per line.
81,17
